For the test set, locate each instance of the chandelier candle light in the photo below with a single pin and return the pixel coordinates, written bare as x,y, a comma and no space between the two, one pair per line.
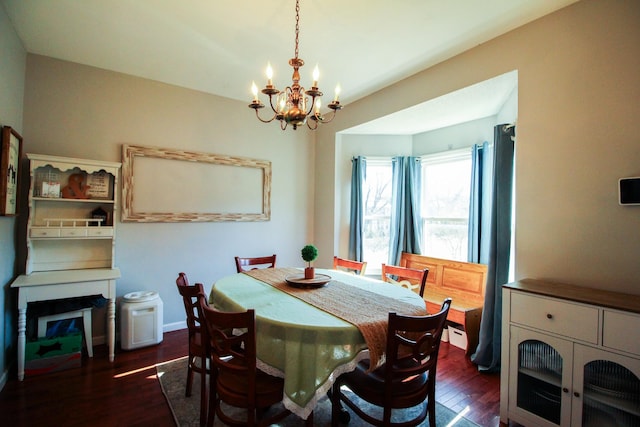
292,105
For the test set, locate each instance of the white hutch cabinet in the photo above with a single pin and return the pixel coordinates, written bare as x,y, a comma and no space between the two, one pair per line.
570,356
61,233
71,232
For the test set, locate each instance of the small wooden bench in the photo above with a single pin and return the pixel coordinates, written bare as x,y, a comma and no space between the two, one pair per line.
464,282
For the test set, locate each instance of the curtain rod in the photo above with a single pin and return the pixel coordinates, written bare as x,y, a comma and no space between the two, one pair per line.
383,158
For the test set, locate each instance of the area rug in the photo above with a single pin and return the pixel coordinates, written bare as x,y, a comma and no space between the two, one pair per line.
186,410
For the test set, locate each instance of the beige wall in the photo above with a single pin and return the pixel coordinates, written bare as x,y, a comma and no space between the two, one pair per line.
79,111
577,133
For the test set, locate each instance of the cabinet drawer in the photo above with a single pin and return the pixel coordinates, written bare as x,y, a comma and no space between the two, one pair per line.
621,331
45,232
560,317
100,232
73,232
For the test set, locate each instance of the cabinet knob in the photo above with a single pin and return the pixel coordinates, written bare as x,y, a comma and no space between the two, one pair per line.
564,389
576,394
549,316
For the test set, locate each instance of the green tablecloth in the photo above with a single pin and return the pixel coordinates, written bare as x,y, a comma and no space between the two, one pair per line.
306,346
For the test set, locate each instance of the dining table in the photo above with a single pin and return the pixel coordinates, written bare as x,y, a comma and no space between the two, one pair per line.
310,332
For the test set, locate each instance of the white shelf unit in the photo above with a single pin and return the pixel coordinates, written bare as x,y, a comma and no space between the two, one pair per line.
570,356
61,233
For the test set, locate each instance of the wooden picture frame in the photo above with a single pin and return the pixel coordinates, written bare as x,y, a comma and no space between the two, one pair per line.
165,185
10,157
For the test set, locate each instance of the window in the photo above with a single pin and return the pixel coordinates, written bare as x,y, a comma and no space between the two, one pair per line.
376,193
446,180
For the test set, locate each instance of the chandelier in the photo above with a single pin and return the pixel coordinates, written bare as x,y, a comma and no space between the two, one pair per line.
292,105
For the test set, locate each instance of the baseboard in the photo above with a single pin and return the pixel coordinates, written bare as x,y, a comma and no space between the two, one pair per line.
176,326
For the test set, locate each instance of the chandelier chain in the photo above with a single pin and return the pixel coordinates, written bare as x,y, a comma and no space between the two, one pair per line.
297,26
295,105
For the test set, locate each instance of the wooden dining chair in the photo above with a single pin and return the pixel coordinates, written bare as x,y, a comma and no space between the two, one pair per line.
194,297
239,383
244,264
357,267
405,380
410,278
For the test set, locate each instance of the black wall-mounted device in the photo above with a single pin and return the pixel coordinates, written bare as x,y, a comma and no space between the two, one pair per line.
629,191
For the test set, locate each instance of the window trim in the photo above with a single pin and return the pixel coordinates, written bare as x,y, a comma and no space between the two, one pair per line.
372,269
446,156
463,154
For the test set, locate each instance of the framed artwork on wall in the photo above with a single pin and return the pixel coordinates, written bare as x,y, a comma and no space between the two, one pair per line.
187,186
10,156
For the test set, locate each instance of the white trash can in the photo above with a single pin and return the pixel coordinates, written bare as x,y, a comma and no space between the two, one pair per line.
140,320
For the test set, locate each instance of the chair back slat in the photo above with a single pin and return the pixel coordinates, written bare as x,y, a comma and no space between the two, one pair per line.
410,278
357,267
244,264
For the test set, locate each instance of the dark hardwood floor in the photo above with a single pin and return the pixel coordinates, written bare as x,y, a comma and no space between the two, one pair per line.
127,393
462,388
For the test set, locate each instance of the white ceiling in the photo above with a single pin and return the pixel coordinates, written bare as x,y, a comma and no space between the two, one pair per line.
478,101
221,46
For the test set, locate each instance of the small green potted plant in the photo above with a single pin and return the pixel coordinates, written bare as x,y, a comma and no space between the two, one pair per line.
309,253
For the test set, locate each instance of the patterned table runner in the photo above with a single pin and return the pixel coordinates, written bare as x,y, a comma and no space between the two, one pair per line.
368,311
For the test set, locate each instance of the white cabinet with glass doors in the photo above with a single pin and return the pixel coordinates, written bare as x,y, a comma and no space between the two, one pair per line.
567,360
